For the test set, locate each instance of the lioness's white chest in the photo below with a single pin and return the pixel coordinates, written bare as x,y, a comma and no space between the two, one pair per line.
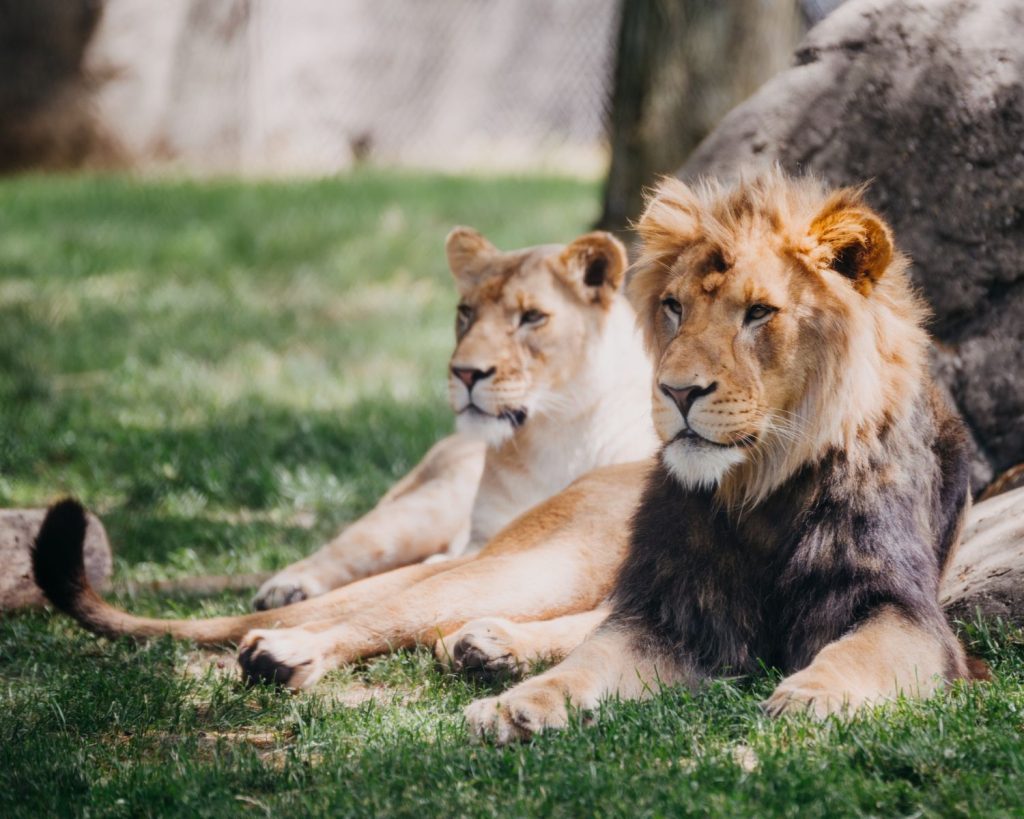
538,469
604,420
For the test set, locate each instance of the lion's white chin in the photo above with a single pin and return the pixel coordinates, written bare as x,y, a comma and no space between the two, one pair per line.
492,431
700,467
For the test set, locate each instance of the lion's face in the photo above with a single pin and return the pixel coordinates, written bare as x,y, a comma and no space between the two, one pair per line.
764,309
735,354
523,326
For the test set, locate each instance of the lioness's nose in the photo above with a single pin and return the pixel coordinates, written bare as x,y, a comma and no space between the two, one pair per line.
469,376
685,396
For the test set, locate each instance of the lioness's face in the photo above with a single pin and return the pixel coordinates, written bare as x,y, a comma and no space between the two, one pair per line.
523,325
746,303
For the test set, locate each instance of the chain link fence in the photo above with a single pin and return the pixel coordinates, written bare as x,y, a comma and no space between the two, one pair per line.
315,86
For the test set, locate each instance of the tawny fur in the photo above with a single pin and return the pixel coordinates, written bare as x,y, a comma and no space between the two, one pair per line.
581,366
556,560
867,360
561,559
812,484
579,374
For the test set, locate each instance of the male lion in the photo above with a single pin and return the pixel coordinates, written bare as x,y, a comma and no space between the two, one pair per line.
544,343
811,485
550,369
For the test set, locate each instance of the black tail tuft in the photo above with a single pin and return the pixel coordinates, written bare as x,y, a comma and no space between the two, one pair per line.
57,562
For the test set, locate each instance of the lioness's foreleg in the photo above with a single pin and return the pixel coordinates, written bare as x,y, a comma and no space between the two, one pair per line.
614,661
889,654
495,647
559,558
362,593
515,586
423,514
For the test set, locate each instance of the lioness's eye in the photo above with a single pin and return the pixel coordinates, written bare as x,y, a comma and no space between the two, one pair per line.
756,312
465,313
532,317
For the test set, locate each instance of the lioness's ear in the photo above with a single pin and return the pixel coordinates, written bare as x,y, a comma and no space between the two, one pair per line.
594,265
466,250
854,240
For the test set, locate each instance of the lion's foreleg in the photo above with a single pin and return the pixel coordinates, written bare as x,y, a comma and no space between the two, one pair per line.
887,655
615,661
496,647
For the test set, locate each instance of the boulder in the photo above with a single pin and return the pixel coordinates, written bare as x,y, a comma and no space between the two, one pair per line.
987,574
926,100
18,528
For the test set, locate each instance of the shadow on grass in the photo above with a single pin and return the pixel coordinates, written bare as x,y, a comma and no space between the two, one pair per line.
236,481
205,487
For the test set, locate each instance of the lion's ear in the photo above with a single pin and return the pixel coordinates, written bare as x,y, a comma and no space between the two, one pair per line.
466,250
855,241
594,266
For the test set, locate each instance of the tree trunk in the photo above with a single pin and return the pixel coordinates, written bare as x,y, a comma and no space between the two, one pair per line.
45,92
681,65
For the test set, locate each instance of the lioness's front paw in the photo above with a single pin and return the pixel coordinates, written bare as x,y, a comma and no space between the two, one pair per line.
289,657
517,715
809,692
484,649
287,587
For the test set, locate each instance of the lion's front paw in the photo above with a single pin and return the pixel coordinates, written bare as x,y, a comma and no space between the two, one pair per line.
811,692
286,587
289,657
485,649
517,715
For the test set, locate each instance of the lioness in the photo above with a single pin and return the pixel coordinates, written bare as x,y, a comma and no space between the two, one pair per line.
550,369
812,483
545,343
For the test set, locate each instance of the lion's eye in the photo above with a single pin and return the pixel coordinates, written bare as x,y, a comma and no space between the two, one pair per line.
756,312
672,306
532,317
465,313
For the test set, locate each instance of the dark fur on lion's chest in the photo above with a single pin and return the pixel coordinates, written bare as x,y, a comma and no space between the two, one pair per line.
725,591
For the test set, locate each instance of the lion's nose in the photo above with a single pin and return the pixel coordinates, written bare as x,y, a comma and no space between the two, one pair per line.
469,376
684,397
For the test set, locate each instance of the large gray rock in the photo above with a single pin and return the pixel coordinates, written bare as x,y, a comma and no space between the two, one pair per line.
18,529
987,574
926,99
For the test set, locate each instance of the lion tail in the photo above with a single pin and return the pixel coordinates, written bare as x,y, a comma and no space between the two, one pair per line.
58,566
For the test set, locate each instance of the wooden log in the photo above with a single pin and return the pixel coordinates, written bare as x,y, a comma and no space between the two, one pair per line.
987,574
18,528
1012,478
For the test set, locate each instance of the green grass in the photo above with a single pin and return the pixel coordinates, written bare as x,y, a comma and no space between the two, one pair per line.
226,372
